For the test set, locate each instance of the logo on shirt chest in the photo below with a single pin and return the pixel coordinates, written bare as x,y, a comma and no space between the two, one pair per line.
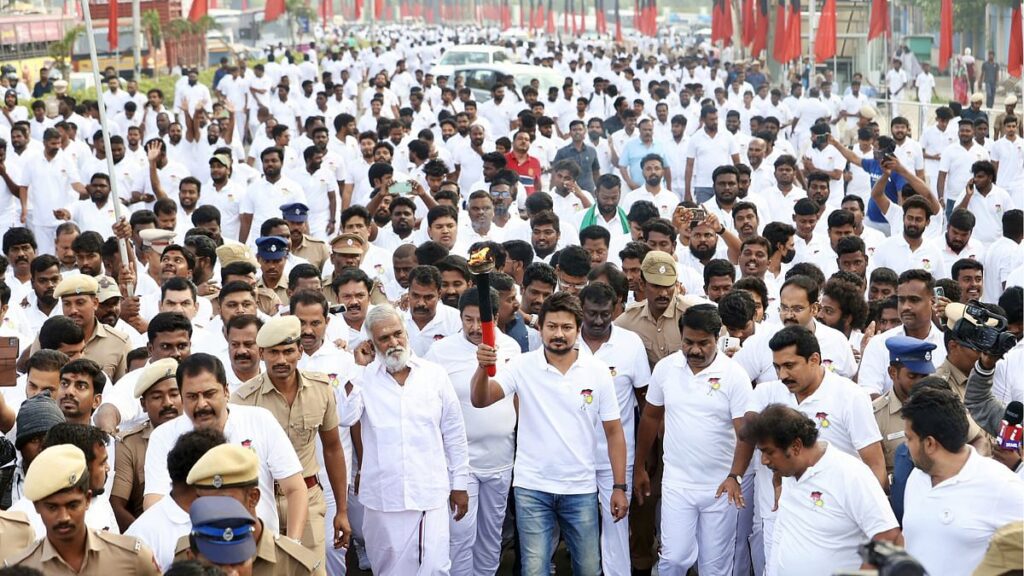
247,443
822,418
612,371
828,365
819,501
926,264
588,398
332,379
714,385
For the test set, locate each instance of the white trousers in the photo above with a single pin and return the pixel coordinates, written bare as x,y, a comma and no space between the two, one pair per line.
768,535
476,539
692,521
408,542
615,559
749,549
335,560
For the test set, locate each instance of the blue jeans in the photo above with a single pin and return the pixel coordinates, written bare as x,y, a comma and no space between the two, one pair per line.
578,518
950,206
702,194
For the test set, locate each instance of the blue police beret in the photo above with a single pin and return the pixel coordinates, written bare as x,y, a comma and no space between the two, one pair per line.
915,354
223,530
271,247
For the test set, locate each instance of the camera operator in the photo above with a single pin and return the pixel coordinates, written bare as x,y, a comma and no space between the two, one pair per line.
989,411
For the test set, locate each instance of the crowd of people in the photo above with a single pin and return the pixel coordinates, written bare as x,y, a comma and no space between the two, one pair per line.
723,323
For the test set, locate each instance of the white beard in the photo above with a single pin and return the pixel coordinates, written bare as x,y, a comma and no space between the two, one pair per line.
395,359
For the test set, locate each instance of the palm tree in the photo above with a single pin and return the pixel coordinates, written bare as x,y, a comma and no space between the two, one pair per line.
153,31
200,28
62,50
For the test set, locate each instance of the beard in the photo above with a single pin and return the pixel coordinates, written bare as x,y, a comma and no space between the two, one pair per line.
703,253
395,359
653,180
789,256
913,232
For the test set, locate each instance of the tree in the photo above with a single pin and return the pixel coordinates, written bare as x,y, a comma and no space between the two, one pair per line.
968,18
62,50
153,31
297,10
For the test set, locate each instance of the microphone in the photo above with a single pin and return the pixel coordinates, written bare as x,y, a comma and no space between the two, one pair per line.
1010,430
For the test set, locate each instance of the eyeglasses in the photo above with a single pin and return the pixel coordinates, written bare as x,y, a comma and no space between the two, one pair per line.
501,194
795,309
563,285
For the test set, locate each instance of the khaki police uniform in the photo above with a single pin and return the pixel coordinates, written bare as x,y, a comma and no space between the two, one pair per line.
129,467
313,251
232,465
59,468
890,424
109,348
313,410
280,292
16,533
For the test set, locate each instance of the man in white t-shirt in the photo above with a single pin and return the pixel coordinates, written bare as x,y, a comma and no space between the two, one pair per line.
700,396
925,82
829,504
987,201
563,395
955,165
1008,156
896,80
708,149
955,499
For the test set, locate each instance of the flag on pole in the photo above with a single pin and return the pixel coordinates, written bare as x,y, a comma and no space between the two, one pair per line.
551,17
1015,59
748,28
945,34
760,41
825,40
780,49
199,9
721,22
618,23
112,33
794,46
879,19
273,10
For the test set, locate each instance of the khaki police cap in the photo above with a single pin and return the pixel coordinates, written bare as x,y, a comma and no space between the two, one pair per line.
659,268
225,466
107,288
1005,552
155,373
157,239
229,253
279,330
77,285
57,468
348,244
868,112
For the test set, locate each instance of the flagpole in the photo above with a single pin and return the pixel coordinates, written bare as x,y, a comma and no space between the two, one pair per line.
118,210
810,42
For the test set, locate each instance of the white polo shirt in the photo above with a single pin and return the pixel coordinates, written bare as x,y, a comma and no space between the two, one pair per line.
160,527
842,411
988,211
895,253
559,415
757,359
626,357
1002,257
250,426
825,515
956,162
665,200
779,206
709,153
874,363
264,201
446,322
490,431
700,439
973,250
228,201
1010,156
827,160
948,526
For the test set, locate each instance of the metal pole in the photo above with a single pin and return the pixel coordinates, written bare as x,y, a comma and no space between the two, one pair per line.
137,37
118,210
810,41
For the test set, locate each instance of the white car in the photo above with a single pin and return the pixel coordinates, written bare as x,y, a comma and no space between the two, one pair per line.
480,79
473,54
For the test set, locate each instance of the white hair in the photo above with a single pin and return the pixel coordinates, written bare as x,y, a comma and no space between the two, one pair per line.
378,314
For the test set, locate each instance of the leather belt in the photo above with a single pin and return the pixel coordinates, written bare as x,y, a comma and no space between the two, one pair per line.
310,481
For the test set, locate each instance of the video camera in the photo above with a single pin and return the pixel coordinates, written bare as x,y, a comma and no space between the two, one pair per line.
979,329
888,560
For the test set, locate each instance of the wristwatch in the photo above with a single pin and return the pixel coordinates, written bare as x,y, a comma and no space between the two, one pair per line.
737,477
619,487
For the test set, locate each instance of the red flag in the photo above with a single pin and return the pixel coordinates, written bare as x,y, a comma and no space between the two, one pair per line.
1015,59
273,10
879,19
199,9
551,17
721,22
748,29
946,34
583,16
358,9
618,23
112,37
825,41
760,41
780,49
794,45
378,8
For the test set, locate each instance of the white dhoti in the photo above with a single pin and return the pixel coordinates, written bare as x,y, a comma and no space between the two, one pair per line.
408,542
476,539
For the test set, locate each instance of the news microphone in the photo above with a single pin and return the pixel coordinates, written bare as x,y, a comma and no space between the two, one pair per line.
1010,430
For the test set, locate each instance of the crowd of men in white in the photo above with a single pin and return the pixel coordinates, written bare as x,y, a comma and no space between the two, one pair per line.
680,246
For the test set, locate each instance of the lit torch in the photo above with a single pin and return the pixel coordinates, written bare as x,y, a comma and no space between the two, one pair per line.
481,264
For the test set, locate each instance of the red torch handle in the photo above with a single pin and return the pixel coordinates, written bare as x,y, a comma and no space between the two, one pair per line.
488,338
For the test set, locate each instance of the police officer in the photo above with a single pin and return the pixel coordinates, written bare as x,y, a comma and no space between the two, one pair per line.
304,403
58,484
304,245
16,533
157,391
222,534
271,252
346,252
104,345
233,470
910,360
266,299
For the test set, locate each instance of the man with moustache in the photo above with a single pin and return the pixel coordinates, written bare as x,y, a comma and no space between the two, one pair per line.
911,250
429,319
745,220
959,239
606,211
157,392
304,404
40,304
19,246
224,193
94,214
415,465
243,356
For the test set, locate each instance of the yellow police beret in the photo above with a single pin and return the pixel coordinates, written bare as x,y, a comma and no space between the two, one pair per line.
229,253
57,468
348,244
225,466
77,285
156,372
279,330
107,288
659,268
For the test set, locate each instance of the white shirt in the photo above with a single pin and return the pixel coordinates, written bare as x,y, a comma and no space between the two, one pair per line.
559,416
250,426
824,516
874,363
948,526
490,431
91,217
414,439
665,200
49,186
780,205
264,201
626,357
895,253
228,201
956,162
700,437
159,527
709,153
446,321
1001,258
829,159
1010,156
988,211
756,357
925,87
99,516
